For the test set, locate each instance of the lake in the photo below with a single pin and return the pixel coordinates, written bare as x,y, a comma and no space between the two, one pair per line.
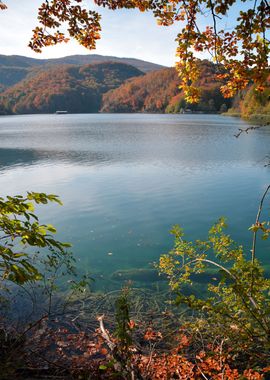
125,179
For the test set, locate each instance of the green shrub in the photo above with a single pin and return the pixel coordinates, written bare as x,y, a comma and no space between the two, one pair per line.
237,305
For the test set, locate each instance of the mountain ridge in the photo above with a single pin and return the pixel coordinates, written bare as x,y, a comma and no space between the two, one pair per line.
76,59
75,88
14,68
110,86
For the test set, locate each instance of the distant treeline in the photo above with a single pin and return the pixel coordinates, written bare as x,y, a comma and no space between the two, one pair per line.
77,89
158,91
113,87
253,105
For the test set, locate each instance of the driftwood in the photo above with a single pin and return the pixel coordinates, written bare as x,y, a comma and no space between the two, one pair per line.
123,364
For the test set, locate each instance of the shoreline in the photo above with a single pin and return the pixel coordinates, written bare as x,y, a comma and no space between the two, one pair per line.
258,119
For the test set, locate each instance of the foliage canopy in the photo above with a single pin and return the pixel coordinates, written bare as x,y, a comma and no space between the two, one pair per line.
22,237
72,88
242,50
158,92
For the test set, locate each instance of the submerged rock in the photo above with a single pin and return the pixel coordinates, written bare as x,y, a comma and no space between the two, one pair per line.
148,275
151,275
140,275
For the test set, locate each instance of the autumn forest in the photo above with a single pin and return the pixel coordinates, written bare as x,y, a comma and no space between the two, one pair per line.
110,86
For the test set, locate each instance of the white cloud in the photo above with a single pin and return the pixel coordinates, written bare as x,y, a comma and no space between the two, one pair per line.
126,33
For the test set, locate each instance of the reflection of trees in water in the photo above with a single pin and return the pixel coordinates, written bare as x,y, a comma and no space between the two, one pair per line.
13,157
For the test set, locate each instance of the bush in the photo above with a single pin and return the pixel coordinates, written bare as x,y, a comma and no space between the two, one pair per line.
236,308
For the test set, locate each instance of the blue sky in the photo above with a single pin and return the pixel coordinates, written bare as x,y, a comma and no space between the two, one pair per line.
126,33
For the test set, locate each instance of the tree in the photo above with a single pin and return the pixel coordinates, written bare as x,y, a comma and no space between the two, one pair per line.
223,108
240,55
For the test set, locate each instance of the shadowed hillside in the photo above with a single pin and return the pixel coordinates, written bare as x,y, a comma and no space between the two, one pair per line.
77,89
14,68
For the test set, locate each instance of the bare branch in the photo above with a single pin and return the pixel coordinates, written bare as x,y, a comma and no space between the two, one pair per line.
104,333
246,130
257,222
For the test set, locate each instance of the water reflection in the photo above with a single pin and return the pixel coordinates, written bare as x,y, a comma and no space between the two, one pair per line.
12,157
194,141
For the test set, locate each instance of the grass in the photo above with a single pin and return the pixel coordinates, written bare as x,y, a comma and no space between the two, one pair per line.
259,119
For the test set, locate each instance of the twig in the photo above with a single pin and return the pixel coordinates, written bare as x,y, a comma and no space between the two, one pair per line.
220,359
203,375
152,347
47,360
241,130
104,333
121,363
264,325
257,222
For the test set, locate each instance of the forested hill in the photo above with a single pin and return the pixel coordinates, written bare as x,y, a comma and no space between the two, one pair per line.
21,61
253,105
14,68
159,92
77,89
117,87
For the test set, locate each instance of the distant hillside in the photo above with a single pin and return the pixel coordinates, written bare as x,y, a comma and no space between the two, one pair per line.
253,105
14,68
143,66
150,93
159,92
43,87
77,89
11,75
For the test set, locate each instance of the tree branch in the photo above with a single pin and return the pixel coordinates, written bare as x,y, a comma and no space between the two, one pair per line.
246,130
257,221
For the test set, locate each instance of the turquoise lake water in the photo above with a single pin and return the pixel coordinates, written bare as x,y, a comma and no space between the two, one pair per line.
126,179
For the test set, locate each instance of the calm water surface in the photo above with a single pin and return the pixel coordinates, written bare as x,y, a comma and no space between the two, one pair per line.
126,179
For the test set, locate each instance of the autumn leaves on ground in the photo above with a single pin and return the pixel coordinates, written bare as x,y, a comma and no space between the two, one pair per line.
127,343
50,331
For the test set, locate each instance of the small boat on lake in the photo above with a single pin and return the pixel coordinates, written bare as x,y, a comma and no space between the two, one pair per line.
61,112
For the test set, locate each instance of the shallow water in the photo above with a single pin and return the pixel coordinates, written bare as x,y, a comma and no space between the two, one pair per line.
126,179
